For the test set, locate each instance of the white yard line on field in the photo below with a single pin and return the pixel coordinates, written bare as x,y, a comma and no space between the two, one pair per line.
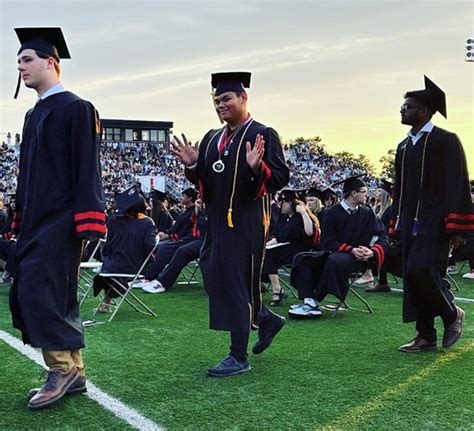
119,409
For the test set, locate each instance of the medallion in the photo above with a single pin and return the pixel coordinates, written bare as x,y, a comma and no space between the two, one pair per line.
218,166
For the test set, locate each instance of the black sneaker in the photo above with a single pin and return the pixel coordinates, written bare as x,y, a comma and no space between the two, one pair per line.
229,366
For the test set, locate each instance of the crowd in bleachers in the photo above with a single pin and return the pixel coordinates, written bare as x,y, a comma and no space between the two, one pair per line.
122,163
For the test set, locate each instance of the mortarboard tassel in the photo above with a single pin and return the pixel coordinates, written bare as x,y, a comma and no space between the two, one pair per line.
230,223
416,226
17,86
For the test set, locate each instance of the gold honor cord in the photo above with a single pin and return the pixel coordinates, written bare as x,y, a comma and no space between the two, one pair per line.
230,222
416,222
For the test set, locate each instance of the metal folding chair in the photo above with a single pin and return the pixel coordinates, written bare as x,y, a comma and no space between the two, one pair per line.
340,304
284,273
189,273
124,291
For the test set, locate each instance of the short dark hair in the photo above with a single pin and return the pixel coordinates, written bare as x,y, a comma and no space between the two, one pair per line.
139,207
46,56
421,96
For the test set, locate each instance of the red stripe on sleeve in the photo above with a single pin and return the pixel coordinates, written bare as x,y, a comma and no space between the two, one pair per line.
89,214
91,226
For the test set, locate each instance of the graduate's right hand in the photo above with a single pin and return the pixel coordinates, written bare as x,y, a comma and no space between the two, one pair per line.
185,150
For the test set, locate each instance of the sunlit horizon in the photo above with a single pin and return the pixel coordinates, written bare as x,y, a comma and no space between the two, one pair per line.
337,70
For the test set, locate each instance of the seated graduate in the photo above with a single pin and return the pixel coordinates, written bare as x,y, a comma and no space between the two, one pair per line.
131,236
180,234
171,205
183,223
393,255
464,252
297,229
185,254
160,215
7,246
314,201
352,238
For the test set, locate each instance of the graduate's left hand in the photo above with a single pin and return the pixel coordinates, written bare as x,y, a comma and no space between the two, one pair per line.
255,154
457,241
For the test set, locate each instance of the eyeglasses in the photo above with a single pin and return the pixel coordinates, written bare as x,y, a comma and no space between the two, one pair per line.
407,107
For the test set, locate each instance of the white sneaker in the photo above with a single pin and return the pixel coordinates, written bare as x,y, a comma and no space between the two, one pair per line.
308,310
364,280
154,287
139,284
452,270
469,274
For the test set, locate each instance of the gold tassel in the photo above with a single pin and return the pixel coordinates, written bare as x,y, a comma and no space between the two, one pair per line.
230,223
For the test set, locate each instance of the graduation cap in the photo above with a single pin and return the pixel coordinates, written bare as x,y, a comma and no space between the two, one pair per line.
230,81
48,40
157,195
127,199
351,183
431,96
315,192
328,192
386,185
437,97
289,195
190,192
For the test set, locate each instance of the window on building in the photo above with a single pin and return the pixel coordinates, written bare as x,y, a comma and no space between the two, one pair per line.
128,134
153,135
145,135
161,136
137,135
117,136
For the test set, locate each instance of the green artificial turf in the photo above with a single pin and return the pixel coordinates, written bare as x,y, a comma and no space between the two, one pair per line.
333,373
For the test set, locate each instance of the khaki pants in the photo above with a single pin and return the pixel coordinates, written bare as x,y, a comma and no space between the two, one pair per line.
64,360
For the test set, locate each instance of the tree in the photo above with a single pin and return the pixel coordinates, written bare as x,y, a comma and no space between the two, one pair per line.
388,165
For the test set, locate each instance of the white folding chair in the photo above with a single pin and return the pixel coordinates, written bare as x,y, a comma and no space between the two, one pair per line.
85,277
124,291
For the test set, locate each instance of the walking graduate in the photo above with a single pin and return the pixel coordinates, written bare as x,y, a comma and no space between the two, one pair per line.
59,202
432,211
237,169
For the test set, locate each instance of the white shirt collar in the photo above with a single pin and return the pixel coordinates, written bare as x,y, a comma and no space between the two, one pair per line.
347,208
55,89
427,128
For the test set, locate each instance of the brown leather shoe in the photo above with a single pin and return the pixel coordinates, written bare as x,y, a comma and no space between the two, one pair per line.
54,389
453,332
378,288
418,345
78,387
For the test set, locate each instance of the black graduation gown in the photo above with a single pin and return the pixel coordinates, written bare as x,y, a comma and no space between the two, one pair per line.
59,202
445,210
129,241
341,232
164,222
288,229
183,224
233,250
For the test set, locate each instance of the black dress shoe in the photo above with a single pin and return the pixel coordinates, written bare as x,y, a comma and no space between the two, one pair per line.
453,332
267,332
418,345
379,288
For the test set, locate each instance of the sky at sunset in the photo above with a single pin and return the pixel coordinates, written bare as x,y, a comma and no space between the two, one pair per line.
337,69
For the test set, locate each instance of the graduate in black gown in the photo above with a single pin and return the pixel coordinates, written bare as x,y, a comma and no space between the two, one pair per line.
59,202
237,169
174,238
352,239
182,256
130,239
432,211
297,230
160,215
